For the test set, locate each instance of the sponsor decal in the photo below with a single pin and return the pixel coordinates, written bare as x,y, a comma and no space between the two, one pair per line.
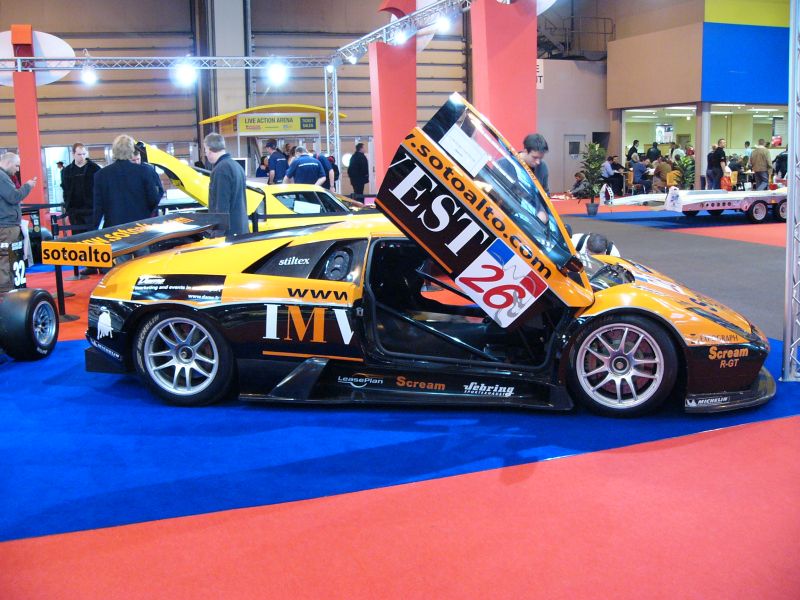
360,381
712,401
191,288
481,389
404,382
317,294
76,253
293,260
703,339
104,328
727,357
291,322
105,349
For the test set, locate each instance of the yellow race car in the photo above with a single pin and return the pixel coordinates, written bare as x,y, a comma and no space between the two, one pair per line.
473,293
268,205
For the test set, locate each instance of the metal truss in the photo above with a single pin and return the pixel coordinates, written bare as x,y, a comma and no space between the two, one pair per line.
332,141
111,63
791,328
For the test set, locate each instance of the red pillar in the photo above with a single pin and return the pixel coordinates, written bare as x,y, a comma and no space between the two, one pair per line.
393,91
504,65
27,109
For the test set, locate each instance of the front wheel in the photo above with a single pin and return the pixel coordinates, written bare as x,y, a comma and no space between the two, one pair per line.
28,324
757,213
183,359
622,366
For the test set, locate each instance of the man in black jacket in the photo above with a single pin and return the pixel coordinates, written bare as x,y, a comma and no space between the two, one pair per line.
358,170
123,191
77,181
226,192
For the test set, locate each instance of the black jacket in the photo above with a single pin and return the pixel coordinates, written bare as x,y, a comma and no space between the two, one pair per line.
358,169
124,192
226,193
78,185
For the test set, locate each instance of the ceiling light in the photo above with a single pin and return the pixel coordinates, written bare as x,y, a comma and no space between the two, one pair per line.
88,75
352,59
443,24
641,110
277,73
679,107
763,109
720,112
185,74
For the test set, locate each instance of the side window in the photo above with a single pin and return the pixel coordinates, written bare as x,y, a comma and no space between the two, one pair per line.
344,261
303,203
330,204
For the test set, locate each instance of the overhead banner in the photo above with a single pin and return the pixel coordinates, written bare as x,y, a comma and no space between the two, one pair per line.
277,124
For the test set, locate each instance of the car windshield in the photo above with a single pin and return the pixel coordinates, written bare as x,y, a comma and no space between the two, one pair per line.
603,275
498,172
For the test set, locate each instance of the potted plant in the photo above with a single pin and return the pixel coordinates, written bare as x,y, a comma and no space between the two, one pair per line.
685,166
593,158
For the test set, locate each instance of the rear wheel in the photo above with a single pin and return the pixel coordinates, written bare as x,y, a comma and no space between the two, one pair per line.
28,324
622,366
779,211
183,359
757,213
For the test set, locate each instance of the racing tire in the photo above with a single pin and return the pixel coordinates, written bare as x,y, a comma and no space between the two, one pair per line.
622,366
28,324
183,359
757,213
716,212
691,213
779,211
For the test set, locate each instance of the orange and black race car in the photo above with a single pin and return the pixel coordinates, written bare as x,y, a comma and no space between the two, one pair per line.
470,292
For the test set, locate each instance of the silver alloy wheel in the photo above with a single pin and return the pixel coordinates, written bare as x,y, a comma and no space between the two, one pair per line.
180,356
782,210
44,323
759,211
620,366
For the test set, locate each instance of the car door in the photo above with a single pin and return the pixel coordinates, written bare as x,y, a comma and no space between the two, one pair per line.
458,189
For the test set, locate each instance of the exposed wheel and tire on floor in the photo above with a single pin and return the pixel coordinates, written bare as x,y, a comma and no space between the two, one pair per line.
183,359
28,323
779,211
757,212
622,365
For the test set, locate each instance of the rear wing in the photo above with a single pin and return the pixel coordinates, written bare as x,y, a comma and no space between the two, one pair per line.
99,248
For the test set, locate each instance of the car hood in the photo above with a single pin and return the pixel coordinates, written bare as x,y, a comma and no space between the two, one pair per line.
458,189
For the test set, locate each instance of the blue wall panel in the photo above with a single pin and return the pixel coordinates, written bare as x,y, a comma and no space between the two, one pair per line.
745,63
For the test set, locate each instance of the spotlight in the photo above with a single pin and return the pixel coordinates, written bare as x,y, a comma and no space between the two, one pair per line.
185,74
329,68
88,75
401,35
277,73
443,24
352,59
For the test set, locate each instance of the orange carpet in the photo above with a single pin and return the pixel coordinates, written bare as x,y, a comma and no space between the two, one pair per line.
771,234
572,206
712,515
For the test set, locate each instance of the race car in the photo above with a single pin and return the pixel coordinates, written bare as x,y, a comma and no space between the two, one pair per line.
472,294
270,202
28,316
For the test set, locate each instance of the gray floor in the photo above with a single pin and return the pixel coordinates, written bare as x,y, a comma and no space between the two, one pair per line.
746,277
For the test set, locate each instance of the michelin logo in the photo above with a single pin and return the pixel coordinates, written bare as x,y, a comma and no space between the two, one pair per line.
104,324
713,401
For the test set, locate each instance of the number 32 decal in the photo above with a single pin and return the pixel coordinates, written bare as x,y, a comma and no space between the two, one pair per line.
19,273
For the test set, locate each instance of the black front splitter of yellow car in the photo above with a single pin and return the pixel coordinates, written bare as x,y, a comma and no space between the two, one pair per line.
762,390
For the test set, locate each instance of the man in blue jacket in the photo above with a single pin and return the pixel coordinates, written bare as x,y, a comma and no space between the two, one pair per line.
226,192
305,168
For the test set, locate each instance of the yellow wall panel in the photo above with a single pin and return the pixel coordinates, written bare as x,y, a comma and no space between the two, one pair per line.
771,13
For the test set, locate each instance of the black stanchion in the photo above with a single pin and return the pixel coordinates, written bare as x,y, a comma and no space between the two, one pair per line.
60,294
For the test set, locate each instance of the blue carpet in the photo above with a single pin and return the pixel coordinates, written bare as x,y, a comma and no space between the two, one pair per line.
81,450
662,219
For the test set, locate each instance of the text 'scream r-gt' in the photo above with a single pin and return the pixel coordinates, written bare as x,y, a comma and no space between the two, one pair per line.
472,294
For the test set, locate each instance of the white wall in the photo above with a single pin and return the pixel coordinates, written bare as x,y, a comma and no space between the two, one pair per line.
573,101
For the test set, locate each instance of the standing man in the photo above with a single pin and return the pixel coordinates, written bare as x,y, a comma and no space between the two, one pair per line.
760,164
327,168
535,148
305,168
358,170
77,181
634,149
10,213
226,192
137,160
717,162
277,162
748,151
653,152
